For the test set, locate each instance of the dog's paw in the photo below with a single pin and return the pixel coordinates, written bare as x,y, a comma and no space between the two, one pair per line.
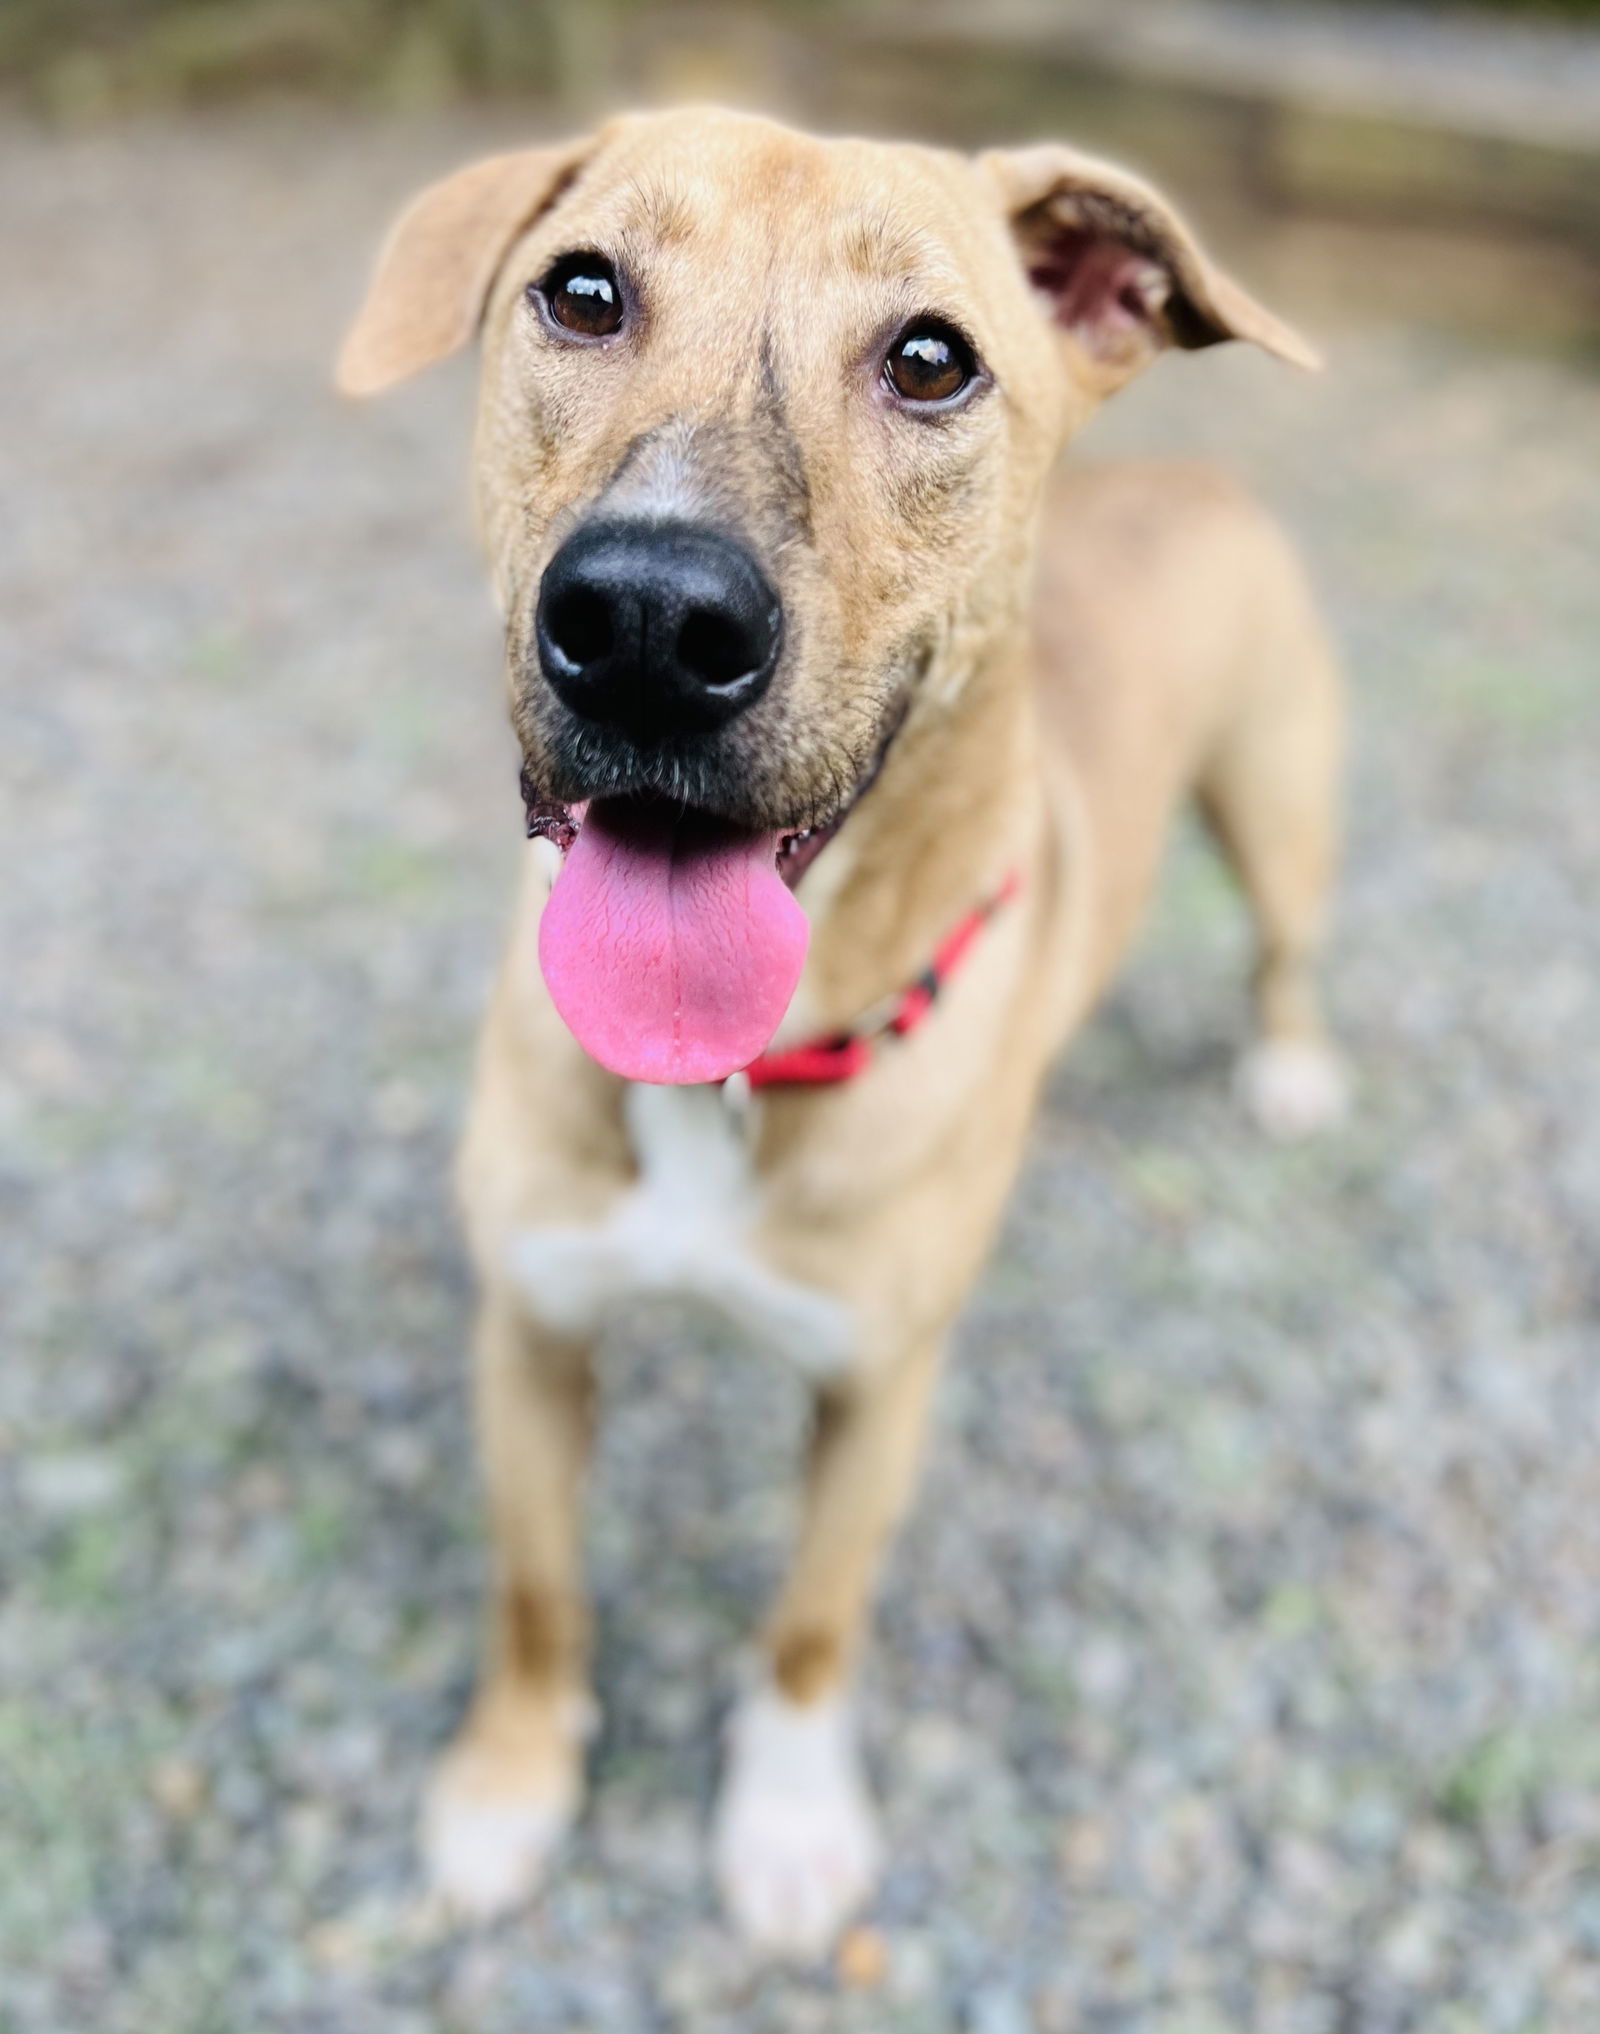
795,1844
1292,1088
490,1824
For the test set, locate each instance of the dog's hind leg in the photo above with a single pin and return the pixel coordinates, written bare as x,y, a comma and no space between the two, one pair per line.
506,1791
1269,793
795,1844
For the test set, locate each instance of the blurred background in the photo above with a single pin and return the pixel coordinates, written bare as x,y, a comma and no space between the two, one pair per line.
1239,1669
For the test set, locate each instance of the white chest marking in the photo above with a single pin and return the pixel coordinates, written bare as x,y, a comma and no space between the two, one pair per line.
681,1232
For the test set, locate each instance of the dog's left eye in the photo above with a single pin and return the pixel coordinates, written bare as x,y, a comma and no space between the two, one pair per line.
929,363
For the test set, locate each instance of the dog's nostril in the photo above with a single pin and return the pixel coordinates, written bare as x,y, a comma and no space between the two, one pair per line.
579,624
714,649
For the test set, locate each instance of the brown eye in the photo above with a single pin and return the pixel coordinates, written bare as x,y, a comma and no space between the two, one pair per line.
929,363
583,294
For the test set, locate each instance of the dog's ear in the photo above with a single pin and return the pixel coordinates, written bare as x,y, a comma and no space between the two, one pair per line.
438,265
1117,268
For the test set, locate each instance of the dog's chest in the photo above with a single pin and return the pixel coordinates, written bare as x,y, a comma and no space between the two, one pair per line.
682,1231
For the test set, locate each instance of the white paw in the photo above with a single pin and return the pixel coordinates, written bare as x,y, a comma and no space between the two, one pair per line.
487,1837
795,1844
1292,1088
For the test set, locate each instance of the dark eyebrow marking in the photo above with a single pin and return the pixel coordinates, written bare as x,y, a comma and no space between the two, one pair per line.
663,211
872,243
781,444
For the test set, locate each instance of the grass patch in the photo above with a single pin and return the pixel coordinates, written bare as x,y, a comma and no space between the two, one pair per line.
1197,906
388,871
1499,1778
1514,696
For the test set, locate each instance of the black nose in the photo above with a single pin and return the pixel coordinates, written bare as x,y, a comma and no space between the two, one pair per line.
657,628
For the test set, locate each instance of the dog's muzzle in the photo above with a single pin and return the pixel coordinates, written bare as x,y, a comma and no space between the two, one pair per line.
657,629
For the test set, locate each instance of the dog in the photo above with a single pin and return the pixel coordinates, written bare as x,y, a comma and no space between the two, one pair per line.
850,734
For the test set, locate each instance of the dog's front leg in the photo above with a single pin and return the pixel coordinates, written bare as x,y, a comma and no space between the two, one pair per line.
508,1788
795,1843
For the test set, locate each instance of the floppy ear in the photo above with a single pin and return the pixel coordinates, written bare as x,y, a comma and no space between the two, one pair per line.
1118,269
440,260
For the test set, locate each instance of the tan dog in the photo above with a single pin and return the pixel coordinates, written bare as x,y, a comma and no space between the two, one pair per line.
763,464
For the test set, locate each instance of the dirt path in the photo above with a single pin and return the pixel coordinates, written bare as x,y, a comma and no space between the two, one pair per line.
1243,1675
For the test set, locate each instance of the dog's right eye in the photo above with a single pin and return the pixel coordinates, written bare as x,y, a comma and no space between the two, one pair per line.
582,294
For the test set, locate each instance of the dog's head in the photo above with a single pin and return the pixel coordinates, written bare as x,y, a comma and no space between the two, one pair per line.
764,427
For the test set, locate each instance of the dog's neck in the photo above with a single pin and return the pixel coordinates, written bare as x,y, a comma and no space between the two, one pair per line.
957,808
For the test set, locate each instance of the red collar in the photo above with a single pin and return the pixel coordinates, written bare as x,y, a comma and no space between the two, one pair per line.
843,1054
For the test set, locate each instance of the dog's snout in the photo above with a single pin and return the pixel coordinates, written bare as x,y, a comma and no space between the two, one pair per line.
657,628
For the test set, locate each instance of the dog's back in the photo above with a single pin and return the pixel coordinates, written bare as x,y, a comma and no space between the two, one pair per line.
1179,650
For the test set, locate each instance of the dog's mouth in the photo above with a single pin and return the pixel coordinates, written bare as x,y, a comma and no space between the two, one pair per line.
672,943
551,819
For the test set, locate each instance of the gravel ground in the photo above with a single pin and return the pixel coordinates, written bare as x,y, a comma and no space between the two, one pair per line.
1239,1668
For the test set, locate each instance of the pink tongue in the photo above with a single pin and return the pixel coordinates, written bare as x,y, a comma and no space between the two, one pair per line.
670,945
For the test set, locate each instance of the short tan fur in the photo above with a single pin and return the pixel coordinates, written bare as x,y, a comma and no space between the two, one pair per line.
1060,661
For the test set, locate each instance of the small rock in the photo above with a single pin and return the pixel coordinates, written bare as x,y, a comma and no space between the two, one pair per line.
262,1489
178,1786
399,1108
862,1959
402,1459
1105,1669
935,1749
1409,1948
1085,1852
337,1945
998,2010
914,1967
68,1485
